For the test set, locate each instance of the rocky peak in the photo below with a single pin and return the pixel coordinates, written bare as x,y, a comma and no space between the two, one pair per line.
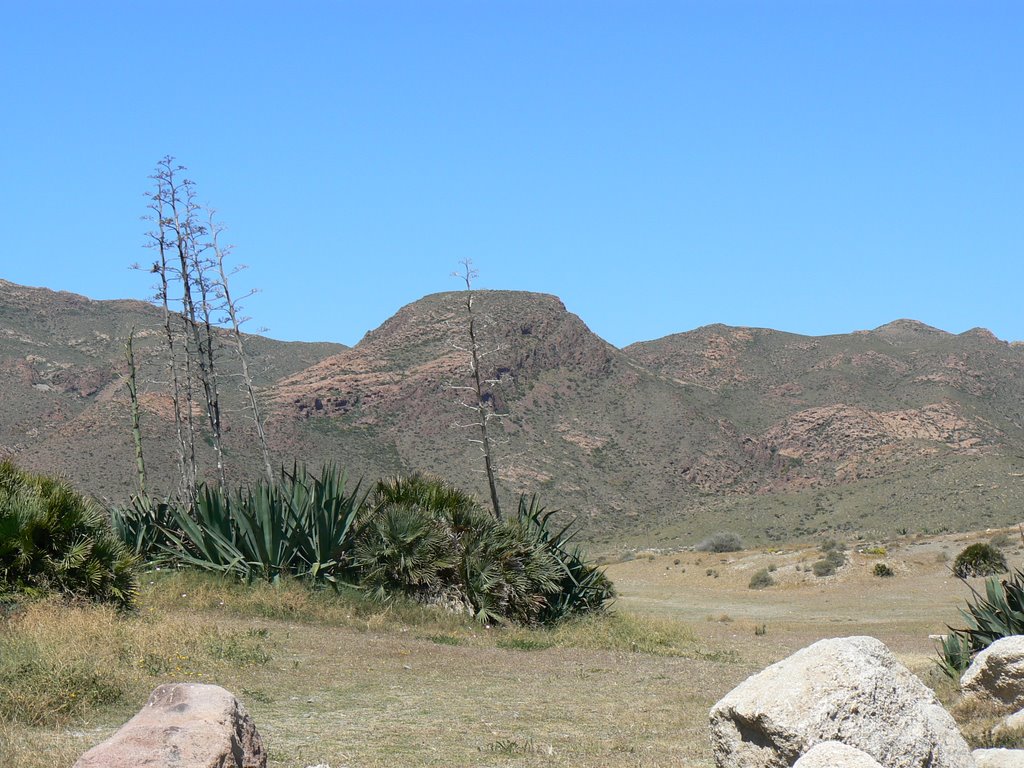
982,334
908,330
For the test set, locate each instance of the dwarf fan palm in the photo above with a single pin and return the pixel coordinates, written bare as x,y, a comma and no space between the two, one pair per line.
55,540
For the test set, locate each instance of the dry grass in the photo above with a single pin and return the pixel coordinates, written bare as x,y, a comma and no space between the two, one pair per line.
331,679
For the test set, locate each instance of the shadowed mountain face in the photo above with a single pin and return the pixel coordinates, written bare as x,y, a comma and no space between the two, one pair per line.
772,434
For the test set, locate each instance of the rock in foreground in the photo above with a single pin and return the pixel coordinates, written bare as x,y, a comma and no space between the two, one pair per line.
997,674
851,690
183,726
835,754
999,758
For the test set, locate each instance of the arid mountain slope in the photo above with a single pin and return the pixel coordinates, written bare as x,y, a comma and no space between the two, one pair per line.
830,397
905,422
583,424
772,434
62,371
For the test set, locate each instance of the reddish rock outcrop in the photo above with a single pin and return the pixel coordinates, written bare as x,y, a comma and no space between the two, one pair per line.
183,725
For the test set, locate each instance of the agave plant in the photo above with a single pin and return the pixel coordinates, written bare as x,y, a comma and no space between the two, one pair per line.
53,539
299,526
997,614
142,526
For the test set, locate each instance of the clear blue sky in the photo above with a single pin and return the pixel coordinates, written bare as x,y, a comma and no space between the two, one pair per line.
814,166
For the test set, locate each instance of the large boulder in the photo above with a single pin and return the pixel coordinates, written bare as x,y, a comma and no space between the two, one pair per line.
183,725
997,674
835,754
851,690
999,758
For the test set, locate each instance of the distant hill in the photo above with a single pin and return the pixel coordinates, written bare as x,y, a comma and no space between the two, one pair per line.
772,434
64,407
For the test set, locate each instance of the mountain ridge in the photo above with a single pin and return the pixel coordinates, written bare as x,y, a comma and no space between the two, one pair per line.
770,432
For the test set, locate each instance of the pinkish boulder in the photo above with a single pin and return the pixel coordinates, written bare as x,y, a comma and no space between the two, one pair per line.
183,725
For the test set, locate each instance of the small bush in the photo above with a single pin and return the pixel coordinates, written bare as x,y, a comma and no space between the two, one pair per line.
837,557
721,542
979,560
425,539
878,551
823,567
761,579
883,570
1001,540
54,540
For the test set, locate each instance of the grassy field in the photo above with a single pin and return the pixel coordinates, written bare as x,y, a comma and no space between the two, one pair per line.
339,682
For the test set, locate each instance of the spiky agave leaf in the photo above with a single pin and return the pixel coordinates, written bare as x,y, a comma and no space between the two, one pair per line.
582,587
996,614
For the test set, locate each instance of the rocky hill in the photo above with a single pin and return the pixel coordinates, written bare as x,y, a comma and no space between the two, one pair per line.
64,407
772,434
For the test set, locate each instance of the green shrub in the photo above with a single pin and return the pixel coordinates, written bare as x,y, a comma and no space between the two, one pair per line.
721,542
404,549
425,539
837,557
979,560
761,579
997,614
883,570
834,557
824,567
53,540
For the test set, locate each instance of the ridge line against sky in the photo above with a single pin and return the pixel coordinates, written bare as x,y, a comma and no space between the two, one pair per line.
659,166
455,294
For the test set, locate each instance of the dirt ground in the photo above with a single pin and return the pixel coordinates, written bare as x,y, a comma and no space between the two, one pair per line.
362,699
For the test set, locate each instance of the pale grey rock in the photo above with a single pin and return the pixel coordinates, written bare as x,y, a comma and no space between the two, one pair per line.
835,754
999,758
851,690
1014,722
183,725
997,674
